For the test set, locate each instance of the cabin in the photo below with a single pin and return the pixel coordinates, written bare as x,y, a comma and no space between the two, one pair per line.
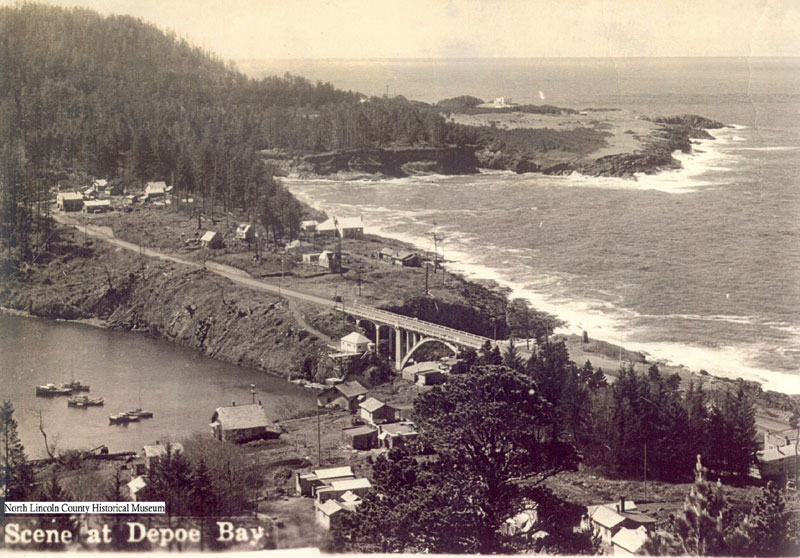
344,227
376,412
246,232
242,423
155,190
355,343
363,437
211,239
608,519
346,395
629,542
69,201
96,206
387,254
328,513
306,483
410,372
396,434
308,227
431,377
778,463
155,453
407,259
328,260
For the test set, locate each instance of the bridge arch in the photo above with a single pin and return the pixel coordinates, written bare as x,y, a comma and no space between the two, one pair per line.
423,342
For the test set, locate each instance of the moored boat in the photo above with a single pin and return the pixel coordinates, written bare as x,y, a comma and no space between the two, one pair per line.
139,413
85,401
52,389
122,418
75,385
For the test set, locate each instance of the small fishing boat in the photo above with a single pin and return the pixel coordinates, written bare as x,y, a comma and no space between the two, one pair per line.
47,390
85,401
139,413
75,385
122,418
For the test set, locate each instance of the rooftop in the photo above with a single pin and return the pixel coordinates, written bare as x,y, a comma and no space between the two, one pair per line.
343,222
350,484
776,454
359,430
209,236
334,472
351,389
355,337
371,405
399,428
160,450
630,539
241,416
329,507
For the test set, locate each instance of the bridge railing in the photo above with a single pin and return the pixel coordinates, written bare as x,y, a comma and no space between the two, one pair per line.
414,324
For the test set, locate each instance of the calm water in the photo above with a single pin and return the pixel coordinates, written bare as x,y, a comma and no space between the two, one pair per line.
181,387
699,267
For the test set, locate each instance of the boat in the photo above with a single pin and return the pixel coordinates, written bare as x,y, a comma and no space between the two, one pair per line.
122,418
85,401
75,385
139,413
51,389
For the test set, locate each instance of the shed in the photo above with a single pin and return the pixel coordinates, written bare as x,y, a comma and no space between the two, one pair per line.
311,259
410,372
69,201
96,206
406,258
245,231
376,412
155,453
327,514
608,519
155,189
211,239
354,342
396,434
361,437
329,260
387,254
629,542
242,423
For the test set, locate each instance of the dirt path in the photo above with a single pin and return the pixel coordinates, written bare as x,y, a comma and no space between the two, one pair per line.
301,319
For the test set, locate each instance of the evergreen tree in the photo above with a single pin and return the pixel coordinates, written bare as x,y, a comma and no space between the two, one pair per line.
742,445
765,530
16,474
511,358
53,492
202,497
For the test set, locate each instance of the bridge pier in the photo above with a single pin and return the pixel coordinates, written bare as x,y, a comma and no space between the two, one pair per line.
398,348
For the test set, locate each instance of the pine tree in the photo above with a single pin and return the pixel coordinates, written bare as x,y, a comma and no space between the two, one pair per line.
511,358
16,475
701,529
740,413
203,500
62,522
765,530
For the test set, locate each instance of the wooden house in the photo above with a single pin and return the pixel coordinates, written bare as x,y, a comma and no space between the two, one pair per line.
69,201
346,227
246,232
778,463
396,434
306,483
363,437
211,239
629,542
608,519
155,453
355,343
376,412
242,423
346,395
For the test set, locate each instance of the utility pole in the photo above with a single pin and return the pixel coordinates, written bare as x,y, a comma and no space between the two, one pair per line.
253,392
427,267
645,470
319,440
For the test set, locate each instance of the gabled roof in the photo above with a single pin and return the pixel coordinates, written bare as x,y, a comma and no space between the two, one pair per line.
387,251
160,450
159,186
309,223
359,430
422,367
244,227
241,416
97,203
101,182
137,483
334,472
70,196
606,517
404,254
350,389
343,222
776,454
329,507
356,338
351,484
631,540
371,405
209,236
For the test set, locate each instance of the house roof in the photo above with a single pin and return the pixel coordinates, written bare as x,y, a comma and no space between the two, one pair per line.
350,484
350,389
606,517
404,254
350,497
422,367
359,430
160,450
399,428
209,236
137,483
309,223
371,405
241,416
630,539
387,251
155,186
334,472
329,507
355,337
776,454
244,227
100,182
70,196
97,203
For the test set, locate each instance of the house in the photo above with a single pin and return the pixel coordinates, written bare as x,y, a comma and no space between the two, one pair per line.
346,395
396,434
431,377
242,423
377,412
629,542
211,239
608,519
311,259
328,513
69,201
341,226
329,260
155,190
501,102
387,254
135,485
336,488
96,206
363,437
410,372
308,227
154,454
407,259
306,483
100,184
777,463
355,343
245,231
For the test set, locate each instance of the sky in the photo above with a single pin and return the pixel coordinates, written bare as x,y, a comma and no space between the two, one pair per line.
242,29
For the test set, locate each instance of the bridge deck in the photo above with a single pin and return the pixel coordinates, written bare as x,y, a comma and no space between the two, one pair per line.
413,324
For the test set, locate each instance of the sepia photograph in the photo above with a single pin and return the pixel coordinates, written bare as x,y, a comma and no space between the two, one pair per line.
454,277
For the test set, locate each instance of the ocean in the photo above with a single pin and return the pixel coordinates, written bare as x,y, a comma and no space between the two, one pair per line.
698,267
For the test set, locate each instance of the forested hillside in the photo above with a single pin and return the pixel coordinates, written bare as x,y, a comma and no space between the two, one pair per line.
116,97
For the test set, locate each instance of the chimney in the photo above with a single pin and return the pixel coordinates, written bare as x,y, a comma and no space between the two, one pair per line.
622,503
